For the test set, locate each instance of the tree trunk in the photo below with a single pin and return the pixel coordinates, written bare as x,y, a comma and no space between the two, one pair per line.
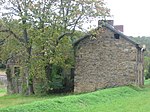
48,70
9,80
29,85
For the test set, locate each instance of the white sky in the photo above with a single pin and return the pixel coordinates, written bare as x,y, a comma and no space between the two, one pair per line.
133,14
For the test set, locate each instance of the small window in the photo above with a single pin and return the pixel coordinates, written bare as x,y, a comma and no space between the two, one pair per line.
116,36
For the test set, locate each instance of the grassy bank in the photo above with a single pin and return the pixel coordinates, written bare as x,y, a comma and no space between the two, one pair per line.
2,91
121,99
16,99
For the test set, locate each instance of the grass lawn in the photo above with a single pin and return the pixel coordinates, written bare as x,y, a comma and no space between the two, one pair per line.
2,91
120,99
12,100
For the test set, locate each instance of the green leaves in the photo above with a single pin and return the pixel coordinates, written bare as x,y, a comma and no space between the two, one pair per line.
40,33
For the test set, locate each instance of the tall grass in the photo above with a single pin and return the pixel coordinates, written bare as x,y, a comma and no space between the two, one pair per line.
121,99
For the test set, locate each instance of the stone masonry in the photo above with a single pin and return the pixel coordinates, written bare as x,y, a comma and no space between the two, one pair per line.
105,61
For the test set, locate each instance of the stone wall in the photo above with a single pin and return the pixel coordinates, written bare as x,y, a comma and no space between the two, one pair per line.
104,61
3,80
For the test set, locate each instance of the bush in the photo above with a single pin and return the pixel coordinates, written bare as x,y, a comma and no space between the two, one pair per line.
2,66
147,74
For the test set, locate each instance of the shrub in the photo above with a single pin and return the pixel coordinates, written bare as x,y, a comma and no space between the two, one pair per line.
147,74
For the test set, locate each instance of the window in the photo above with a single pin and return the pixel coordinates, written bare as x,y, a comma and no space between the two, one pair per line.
116,36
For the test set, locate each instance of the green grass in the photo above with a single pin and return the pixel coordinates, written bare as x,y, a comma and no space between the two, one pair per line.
147,82
12,100
2,90
16,99
121,99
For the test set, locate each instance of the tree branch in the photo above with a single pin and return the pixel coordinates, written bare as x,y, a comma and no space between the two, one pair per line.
69,33
61,36
11,32
2,42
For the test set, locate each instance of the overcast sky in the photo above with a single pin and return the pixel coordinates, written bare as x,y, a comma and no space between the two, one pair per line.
133,14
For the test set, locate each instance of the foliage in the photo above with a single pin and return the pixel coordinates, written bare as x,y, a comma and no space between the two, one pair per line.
143,41
38,35
147,76
2,90
146,62
16,99
2,66
113,100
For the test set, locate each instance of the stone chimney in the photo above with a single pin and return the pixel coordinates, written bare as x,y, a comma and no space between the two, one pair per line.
111,22
119,27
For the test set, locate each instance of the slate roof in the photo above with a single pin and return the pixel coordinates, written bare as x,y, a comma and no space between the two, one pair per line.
110,27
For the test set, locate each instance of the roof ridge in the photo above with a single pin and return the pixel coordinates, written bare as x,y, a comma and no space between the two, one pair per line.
112,28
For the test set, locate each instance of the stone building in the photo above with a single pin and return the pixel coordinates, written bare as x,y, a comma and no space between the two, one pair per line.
13,76
107,59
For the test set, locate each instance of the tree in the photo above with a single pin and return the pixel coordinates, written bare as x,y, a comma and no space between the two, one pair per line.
147,76
44,31
145,41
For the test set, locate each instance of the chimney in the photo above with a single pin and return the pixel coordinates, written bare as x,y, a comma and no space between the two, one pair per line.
111,22
119,27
